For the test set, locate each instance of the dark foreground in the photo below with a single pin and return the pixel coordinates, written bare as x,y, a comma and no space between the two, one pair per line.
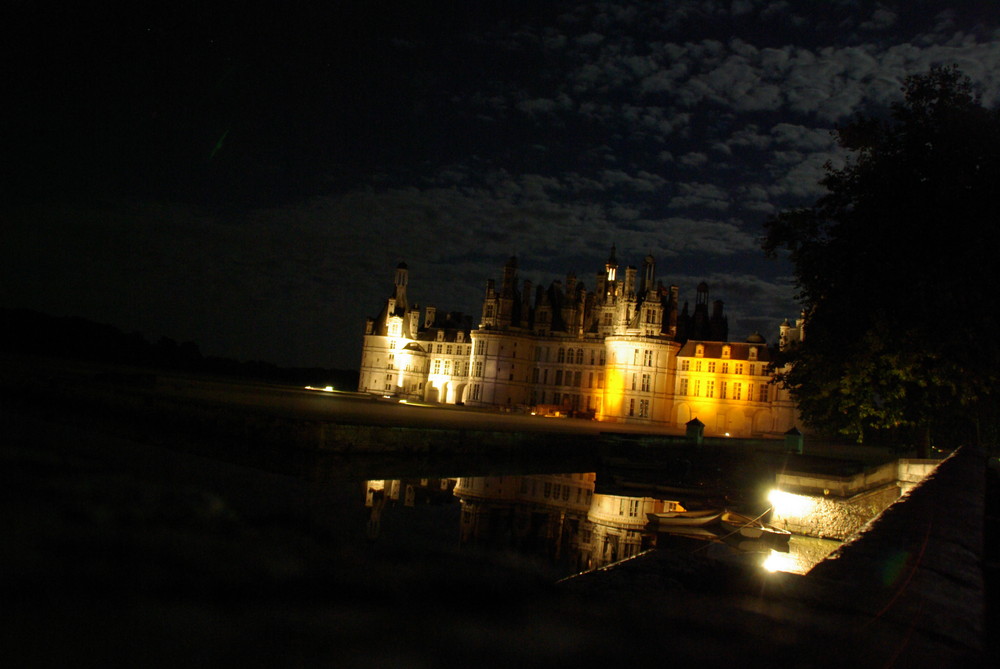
124,551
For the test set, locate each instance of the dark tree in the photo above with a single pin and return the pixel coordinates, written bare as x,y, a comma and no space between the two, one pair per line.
897,273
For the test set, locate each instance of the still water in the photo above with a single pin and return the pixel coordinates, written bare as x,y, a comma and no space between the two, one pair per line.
569,522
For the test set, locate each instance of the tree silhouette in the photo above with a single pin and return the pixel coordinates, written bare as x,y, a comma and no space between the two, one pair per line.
896,272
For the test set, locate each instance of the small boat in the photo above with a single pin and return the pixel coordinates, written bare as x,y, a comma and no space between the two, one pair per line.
751,528
684,518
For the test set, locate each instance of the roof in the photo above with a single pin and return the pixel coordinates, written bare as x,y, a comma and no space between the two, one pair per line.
737,350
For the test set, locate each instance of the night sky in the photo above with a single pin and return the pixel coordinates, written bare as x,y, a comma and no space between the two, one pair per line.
247,175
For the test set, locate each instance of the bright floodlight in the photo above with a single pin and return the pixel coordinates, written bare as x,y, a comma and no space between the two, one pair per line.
789,504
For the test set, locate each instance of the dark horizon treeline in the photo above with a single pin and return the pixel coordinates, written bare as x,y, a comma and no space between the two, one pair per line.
29,332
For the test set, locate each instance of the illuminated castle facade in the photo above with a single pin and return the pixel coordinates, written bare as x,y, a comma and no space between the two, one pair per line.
623,352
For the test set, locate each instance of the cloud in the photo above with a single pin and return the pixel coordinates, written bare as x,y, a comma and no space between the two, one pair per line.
700,195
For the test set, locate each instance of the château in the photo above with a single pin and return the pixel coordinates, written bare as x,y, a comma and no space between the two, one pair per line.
624,352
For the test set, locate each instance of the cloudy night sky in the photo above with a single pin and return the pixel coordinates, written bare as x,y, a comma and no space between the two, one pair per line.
247,175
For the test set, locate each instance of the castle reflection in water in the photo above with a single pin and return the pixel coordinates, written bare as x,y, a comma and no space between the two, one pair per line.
572,523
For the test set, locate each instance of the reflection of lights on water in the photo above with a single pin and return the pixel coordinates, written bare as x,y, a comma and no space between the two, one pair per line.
790,504
327,389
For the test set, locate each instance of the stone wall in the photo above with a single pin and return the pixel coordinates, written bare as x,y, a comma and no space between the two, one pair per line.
834,517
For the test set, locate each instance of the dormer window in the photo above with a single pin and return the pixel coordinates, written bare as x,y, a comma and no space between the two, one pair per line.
440,335
699,351
726,351
460,337
753,352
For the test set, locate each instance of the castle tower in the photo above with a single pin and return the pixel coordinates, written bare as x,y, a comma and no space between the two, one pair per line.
648,280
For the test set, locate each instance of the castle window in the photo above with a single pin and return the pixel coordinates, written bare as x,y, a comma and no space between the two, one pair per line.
685,365
579,356
643,413
737,391
600,379
440,337
633,381
437,367
461,336
763,392
753,352
699,350
559,375
631,407
645,383
710,388
722,390
607,318
448,349
697,365
711,366
684,387
562,355
439,348
576,379
725,351
593,355
447,367
725,368
590,380
489,311
753,370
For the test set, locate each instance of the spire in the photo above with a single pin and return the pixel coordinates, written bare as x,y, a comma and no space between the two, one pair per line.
611,266
401,279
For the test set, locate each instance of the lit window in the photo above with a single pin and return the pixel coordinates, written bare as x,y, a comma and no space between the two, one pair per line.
685,365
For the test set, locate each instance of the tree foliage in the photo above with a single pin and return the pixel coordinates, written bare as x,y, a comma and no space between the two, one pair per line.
896,268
